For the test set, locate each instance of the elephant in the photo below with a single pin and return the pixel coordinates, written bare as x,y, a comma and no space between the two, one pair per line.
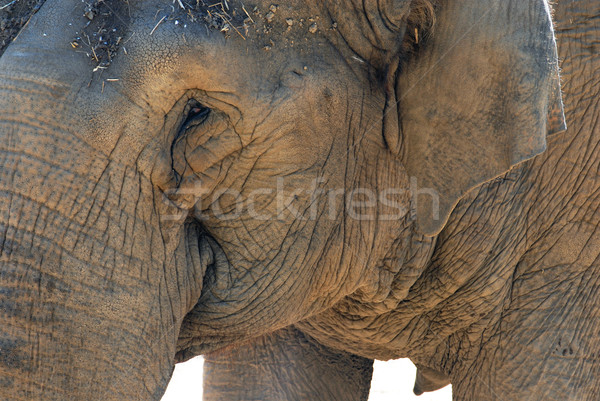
313,185
505,307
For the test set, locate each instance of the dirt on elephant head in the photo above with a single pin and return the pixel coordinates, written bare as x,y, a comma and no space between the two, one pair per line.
104,31
14,14
106,22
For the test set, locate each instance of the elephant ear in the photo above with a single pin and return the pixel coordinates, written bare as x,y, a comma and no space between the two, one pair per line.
477,97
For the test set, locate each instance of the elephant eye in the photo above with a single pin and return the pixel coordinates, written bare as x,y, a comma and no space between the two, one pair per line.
196,114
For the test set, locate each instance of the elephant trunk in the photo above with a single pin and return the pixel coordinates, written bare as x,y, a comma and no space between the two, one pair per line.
93,284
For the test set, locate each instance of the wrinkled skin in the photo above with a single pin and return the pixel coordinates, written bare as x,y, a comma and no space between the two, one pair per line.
507,307
114,263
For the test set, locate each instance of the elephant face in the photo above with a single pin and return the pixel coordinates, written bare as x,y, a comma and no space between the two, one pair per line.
230,169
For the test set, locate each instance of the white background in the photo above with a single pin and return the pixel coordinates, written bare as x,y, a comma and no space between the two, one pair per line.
392,381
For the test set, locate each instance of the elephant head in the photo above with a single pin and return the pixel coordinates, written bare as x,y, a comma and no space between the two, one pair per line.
177,177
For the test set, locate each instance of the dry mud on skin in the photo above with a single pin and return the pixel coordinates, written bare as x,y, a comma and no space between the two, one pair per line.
14,14
103,32
106,27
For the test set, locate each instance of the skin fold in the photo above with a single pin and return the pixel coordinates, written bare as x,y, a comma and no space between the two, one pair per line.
145,148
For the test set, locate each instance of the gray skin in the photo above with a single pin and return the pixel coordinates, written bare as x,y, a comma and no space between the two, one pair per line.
507,306
114,264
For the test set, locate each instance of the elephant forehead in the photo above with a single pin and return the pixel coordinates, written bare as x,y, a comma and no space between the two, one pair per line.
258,62
158,34
289,83
157,52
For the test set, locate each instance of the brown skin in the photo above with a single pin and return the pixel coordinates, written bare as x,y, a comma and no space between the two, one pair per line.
507,307
106,277
285,365
429,380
